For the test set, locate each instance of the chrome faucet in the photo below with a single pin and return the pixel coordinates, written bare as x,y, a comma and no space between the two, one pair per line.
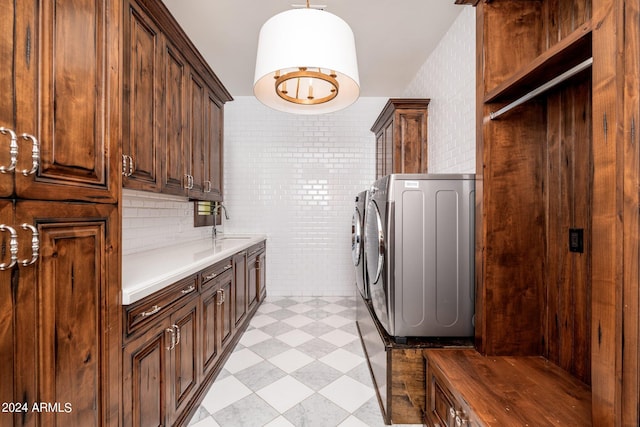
216,211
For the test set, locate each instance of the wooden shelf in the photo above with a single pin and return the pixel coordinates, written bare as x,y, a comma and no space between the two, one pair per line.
569,52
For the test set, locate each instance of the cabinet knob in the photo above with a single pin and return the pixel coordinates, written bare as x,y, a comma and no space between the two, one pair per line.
13,150
13,247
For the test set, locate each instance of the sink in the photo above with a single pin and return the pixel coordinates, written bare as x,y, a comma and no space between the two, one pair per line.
232,238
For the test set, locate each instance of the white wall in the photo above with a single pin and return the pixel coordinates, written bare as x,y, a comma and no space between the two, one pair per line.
295,177
448,78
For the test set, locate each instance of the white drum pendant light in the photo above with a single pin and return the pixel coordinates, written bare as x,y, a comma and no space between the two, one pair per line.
306,63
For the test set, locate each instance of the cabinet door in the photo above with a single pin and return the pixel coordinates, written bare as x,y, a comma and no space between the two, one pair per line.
210,333
240,287
213,137
184,358
252,281
410,141
387,151
226,309
65,72
68,304
199,150
440,404
176,152
142,100
262,275
380,155
17,330
145,377
12,43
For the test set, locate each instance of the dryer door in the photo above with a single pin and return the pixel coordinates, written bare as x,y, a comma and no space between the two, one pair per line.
375,247
374,242
356,238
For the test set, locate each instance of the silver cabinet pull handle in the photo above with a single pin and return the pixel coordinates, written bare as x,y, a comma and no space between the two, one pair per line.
221,296
213,275
208,187
35,245
224,295
191,185
188,290
154,310
173,338
127,165
13,247
186,181
177,328
35,154
13,150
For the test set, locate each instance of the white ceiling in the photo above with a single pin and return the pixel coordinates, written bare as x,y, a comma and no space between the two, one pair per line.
393,37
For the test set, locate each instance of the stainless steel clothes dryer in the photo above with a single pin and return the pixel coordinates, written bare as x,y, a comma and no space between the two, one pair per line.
419,252
357,243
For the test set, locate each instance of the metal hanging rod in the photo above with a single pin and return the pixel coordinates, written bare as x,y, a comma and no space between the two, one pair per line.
551,83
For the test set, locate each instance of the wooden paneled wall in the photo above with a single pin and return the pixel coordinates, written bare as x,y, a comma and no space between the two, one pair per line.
569,184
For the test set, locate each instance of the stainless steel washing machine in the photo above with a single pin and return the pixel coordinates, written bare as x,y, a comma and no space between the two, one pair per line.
419,254
357,243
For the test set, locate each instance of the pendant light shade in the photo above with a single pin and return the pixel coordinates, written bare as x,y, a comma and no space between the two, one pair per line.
306,63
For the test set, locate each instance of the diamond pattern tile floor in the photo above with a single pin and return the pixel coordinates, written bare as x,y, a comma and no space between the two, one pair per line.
299,363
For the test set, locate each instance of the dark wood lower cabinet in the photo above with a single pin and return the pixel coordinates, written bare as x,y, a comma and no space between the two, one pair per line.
145,372
184,358
170,360
59,320
217,321
240,287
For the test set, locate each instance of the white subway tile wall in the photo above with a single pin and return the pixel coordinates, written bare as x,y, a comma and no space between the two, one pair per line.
294,178
151,220
448,78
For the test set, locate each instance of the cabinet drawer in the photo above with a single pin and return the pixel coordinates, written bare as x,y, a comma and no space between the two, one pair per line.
255,249
153,307
208,275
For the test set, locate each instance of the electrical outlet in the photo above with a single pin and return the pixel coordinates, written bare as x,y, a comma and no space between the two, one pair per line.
576,240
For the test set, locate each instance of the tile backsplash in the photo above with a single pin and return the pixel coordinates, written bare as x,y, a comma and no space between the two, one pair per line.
294,177
151,220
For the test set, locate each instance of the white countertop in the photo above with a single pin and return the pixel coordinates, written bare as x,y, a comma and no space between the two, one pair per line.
146,272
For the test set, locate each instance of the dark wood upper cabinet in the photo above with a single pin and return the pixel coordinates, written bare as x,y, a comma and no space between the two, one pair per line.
173,109
401,137
60,84
176,167
142,103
